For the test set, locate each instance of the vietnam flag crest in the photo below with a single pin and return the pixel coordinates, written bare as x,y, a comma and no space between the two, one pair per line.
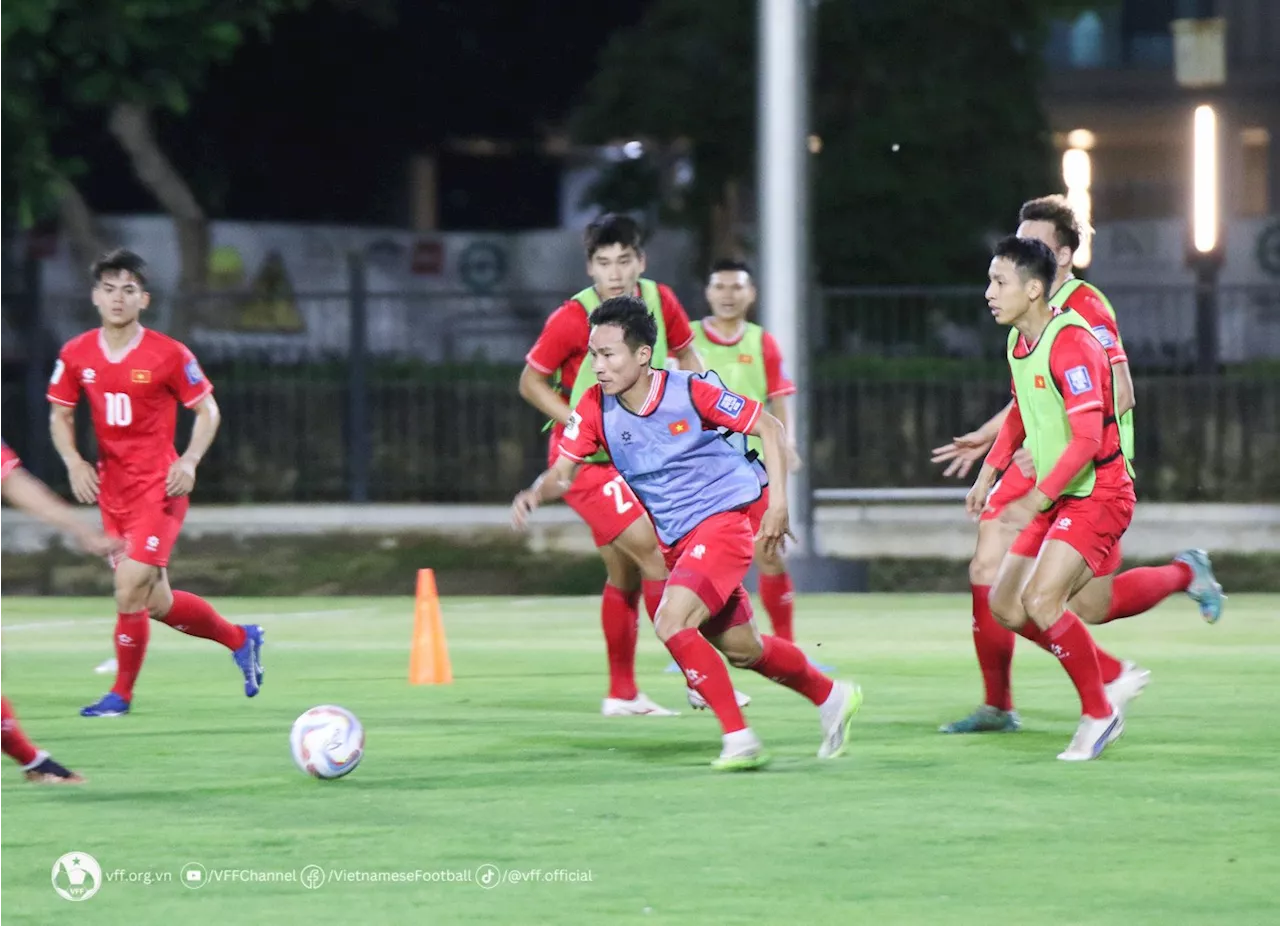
140,376
678,427
1039,381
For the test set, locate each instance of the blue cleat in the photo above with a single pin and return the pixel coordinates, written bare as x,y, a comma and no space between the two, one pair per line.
1204,589
249,659
674,669
111,705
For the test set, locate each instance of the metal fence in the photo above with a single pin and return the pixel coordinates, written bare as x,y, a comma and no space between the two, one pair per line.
439,419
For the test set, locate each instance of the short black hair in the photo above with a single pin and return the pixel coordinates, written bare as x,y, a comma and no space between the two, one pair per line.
1031,256
730,265
613,228
631,315
1067,227
120,260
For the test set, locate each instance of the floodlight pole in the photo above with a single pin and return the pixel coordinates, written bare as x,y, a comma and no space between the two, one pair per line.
783,217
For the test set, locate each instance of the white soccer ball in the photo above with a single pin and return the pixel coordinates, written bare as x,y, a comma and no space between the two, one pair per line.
327,741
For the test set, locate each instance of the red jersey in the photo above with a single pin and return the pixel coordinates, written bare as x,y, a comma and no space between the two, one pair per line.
562,345
1095,314
133,397
777,383
709,400
1082,375
8,461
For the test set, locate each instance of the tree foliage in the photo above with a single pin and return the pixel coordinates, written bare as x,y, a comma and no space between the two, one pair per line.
928,111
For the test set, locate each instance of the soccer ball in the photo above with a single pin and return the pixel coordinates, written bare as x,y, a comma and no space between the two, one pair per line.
327,741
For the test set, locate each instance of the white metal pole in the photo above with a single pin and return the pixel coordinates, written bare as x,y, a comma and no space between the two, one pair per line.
782,152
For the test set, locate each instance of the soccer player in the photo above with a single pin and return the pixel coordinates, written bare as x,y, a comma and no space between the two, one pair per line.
1064,409
554,379
749,362
133,379
661,429
26,492
1052,221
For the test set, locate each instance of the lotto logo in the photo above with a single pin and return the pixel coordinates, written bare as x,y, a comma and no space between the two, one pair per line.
153,543
695,677
1058,651
1064,524
698,552
89,375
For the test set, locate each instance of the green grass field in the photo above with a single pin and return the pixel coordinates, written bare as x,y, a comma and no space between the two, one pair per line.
512,766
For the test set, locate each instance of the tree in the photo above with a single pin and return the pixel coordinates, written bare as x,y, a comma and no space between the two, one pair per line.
118,60
927,110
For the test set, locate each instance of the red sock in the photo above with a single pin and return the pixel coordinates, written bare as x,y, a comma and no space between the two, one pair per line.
132,633
618,617
782,662
15,742
1108,665
778,595
195,617
705,672
653,589
1070,641
1140,590
994,645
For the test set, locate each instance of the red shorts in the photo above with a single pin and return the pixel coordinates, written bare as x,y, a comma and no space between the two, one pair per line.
756,510
711,561
1090,526
1010,487
150,528
602,498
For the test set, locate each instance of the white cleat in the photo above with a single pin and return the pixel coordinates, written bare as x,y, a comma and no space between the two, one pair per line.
639,706
836,714
1093,736
107,668
1127,685
699,703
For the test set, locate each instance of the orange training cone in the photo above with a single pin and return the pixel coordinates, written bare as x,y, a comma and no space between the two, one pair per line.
429,656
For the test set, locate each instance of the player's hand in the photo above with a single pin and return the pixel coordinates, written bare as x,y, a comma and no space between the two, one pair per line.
976,500
962,453
794,463
775,528
181,479
523,506
1018,514
83,476
98,543
1022,460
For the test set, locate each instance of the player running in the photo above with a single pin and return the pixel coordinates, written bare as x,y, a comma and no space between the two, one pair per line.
29,494
749,362
553,381
1064,409
661,430
133,379
1052,221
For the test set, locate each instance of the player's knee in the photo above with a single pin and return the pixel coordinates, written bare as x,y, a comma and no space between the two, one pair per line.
1006,608
671,619
1043,606
986,557
769,562
744,653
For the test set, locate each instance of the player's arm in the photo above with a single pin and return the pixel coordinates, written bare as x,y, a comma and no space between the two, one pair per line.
1125,397
1009,438
536,389
27,493
582,437
82,474
679,332
1079,367
182,474
967,449
548,487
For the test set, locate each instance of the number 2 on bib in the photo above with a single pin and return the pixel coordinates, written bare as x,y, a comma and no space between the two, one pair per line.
119,409
613,489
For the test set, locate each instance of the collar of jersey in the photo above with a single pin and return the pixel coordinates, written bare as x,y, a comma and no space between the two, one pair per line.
650,405
716,337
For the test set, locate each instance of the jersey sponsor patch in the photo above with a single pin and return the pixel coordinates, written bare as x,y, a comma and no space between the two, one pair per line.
193,371
1104,336
571,426
731,404
1078,380
58,369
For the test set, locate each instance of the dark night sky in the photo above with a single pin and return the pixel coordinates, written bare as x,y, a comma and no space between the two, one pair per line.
318,122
